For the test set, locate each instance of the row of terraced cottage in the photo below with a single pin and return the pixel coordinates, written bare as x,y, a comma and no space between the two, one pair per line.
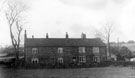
63,51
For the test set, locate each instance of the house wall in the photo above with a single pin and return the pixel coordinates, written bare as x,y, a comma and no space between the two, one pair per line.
49,55
103,54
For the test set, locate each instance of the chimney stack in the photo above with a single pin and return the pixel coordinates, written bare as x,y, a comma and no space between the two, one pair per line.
32,36
25,34
47,35
83,36
67,35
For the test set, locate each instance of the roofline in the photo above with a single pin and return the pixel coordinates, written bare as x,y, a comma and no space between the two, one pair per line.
62,38
63,46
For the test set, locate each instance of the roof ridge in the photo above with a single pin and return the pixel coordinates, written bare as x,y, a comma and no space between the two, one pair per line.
63,38
63,42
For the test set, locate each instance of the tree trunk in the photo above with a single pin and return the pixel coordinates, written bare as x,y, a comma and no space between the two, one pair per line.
108,48
16,57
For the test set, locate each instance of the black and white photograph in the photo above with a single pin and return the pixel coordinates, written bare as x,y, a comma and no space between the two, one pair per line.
67,38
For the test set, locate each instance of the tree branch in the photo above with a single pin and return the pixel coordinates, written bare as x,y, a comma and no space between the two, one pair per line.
13,16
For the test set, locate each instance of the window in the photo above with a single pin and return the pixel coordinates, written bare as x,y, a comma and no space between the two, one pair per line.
95,49
60,50
34,50
60,60
82,59
96,59
34,60
81,49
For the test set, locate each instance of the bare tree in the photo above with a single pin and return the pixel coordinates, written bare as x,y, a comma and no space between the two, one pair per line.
16,24
105,34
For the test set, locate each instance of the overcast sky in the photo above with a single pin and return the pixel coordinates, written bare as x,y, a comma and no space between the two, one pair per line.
57,17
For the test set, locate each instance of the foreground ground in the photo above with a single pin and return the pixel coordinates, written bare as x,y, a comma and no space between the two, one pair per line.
106,72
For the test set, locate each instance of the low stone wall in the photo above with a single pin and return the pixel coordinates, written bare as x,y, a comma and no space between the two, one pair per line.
103,64
117,63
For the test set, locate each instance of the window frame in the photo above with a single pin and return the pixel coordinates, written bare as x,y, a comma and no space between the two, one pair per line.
60,50
34,50
82,59
96,59
60,60
82,50
96,50
34,60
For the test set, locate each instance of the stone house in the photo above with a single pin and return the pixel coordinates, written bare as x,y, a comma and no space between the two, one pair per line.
63,51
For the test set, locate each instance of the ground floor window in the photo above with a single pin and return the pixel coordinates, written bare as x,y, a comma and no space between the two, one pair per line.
96,59
60,60
82,59
34,60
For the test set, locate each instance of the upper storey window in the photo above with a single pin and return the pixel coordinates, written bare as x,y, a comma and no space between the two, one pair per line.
81,49
95,49
34,50
60,50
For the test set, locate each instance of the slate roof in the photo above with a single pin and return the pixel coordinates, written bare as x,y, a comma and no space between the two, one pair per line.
43,42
